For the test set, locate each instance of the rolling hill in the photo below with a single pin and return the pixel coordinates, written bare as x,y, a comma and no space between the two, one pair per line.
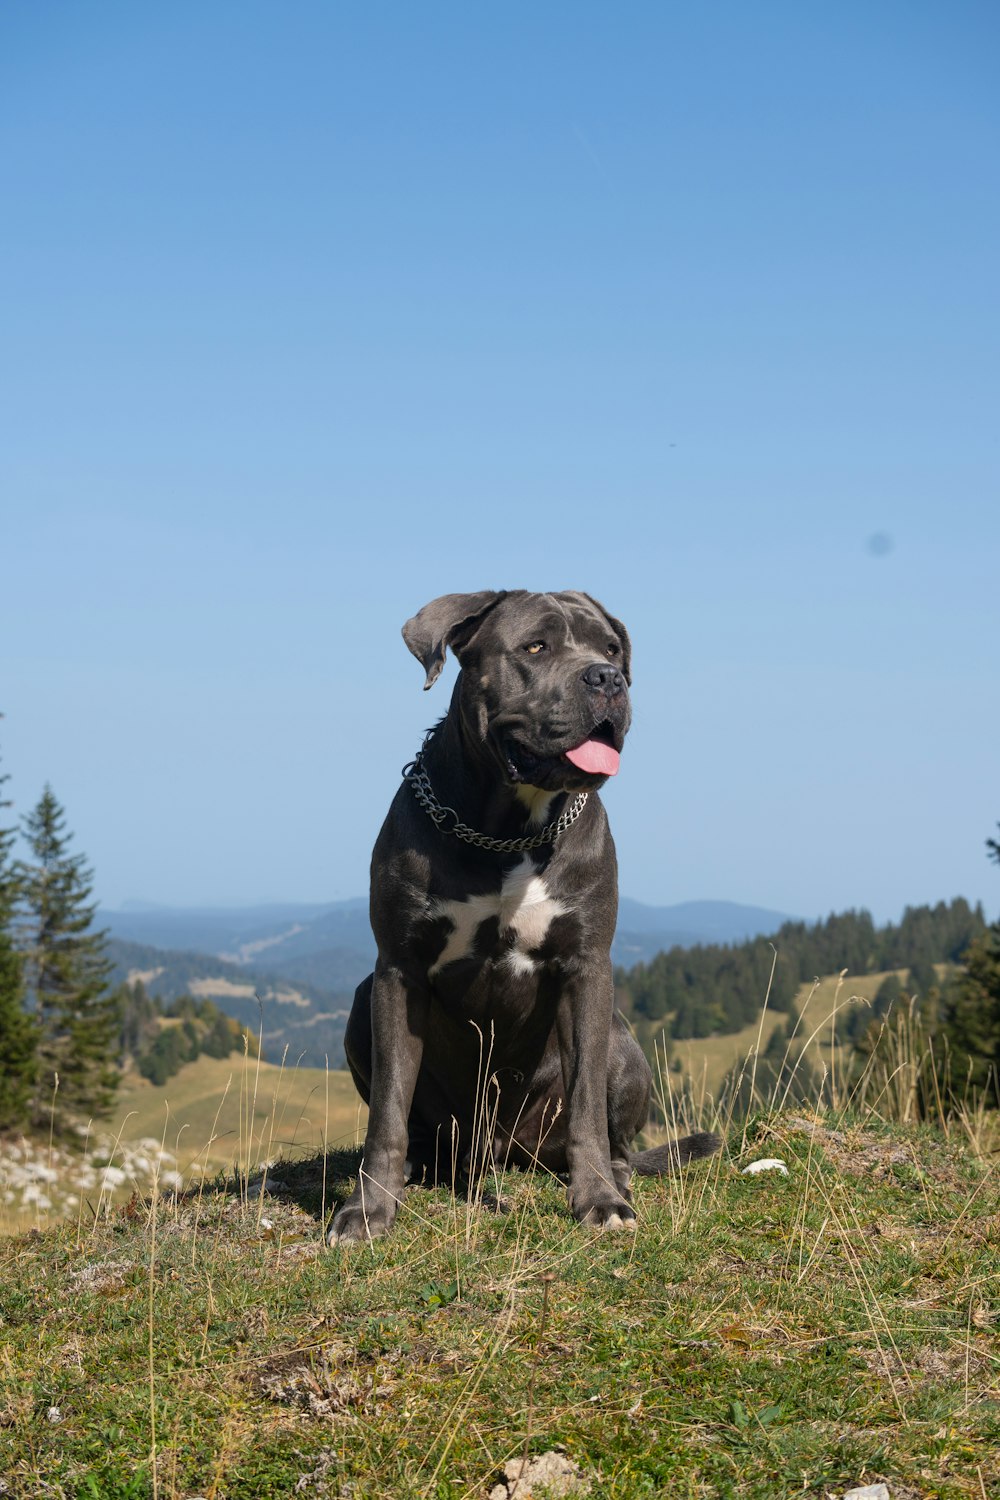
295,1017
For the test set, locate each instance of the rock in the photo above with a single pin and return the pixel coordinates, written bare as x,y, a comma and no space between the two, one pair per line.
550,1473
766,1164
868,1492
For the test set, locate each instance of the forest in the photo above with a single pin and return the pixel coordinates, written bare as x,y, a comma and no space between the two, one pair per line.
715,988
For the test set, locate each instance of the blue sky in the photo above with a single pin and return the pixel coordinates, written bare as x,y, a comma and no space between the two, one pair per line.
314,312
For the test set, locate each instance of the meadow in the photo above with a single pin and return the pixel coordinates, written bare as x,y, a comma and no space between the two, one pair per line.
216,1115
796,1332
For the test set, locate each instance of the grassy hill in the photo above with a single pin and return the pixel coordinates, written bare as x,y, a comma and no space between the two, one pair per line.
217,1111
759,1336
706,1060
217,1114
167,1333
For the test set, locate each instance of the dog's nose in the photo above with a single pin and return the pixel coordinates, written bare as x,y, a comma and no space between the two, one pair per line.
602,677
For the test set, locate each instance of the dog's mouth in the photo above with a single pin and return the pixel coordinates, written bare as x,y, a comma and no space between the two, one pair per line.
599,755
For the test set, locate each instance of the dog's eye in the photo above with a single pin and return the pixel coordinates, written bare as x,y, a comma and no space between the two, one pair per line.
535,648
613,649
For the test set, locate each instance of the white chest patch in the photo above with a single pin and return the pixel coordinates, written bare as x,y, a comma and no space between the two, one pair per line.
523,907
537,802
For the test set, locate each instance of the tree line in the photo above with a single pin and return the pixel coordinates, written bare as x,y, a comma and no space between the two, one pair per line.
942,968
717,988
65,1034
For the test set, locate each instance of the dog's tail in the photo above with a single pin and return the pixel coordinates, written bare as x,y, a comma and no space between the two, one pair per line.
660,1160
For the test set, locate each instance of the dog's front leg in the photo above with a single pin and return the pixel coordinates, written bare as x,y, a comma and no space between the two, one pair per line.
399,1016
583,1020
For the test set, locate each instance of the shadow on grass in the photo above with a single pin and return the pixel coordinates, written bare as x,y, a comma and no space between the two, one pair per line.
314,1183
320,1188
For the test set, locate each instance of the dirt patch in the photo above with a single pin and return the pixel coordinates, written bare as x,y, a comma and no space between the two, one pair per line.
948,1365
102,1276
855,1153
318,1381
341,1378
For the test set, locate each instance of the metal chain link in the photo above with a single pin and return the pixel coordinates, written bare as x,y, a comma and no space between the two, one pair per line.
415,774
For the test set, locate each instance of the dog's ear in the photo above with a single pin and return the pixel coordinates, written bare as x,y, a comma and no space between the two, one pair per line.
621,633
448,621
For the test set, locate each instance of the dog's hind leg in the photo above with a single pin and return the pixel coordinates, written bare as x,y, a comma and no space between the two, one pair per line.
629,1085
358,1039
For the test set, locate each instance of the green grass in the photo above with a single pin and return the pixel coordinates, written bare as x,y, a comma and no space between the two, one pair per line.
757,1337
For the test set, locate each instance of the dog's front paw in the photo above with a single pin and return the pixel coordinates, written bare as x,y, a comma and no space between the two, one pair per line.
603,1211
362,1217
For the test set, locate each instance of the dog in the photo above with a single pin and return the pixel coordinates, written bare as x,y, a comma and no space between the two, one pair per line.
493,904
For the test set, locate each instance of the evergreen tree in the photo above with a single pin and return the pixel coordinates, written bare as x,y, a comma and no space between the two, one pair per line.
972,1014
138,1021
888,994
8,879
66,971
222,1036
17,1031
17,1041
921,980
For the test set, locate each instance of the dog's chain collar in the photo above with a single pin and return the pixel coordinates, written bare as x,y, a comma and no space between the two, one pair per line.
415,774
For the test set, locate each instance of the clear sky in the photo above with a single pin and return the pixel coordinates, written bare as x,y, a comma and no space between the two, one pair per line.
312,312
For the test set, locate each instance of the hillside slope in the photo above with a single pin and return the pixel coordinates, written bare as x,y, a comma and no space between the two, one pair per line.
758,1336
296,1017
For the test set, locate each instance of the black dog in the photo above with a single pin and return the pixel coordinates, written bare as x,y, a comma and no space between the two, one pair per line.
493,902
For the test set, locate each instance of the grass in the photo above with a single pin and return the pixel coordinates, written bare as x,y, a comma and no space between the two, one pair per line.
757,1337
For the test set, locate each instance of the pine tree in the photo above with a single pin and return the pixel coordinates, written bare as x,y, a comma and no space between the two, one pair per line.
8,883
973,1008
66,972
17,1030
138,1021
973,1020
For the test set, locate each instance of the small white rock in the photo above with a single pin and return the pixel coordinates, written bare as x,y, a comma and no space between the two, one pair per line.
868,1492
766,1164
54,1414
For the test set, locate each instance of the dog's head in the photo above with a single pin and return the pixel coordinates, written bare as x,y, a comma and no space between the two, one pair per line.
544,681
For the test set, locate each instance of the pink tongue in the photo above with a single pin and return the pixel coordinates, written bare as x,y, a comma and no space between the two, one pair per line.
595,757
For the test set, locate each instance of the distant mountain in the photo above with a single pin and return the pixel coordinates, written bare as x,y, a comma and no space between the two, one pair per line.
236,932
644,931
332,946
299,1017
